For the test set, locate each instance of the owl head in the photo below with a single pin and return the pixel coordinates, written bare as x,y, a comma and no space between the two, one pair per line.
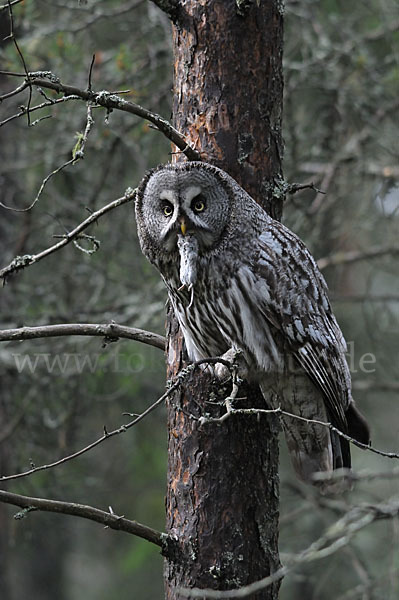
184,199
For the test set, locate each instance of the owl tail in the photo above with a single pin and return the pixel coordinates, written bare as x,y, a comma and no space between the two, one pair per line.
312,447
357,425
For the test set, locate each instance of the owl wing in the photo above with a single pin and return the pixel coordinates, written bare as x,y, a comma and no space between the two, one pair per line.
298,306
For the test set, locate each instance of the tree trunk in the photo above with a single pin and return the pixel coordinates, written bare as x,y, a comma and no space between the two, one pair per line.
222,498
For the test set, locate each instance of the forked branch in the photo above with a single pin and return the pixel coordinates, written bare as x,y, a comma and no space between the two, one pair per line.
20,262
110,101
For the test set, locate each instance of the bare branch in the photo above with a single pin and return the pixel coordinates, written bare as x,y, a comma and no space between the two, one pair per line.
110,331
20,262
107,435
3,6
293,188
23,109
112,101
109,519
341,258
279,411
42,186
180,378
14,40
77,154
15,92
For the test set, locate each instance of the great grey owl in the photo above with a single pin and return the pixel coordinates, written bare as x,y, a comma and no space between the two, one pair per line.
240,281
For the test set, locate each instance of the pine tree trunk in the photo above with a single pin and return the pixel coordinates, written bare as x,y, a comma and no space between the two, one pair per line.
222,498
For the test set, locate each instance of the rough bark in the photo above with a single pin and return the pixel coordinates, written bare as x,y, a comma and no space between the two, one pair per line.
228,90
222,498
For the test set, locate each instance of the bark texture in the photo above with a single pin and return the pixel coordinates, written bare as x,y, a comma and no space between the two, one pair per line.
229,87
222,498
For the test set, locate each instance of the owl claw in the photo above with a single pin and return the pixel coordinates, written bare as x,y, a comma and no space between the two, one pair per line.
236,358
189,288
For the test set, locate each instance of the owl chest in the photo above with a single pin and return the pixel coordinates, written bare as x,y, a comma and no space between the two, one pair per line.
224,314
206,328
210,314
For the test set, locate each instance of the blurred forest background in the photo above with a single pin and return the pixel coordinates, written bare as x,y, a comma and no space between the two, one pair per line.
341,133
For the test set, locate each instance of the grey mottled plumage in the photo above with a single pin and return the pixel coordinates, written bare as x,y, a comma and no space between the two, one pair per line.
238,279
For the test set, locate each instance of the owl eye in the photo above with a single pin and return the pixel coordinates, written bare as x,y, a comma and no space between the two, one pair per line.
198,204
167,209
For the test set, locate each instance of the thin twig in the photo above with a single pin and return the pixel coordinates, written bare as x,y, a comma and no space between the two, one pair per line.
279,411
23,109
107,435
20,262
4,6
42,186
77,154
89,84
293,188
107,330
14,39
180,378
108,519
15,92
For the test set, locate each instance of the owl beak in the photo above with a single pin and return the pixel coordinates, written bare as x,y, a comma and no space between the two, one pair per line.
183,226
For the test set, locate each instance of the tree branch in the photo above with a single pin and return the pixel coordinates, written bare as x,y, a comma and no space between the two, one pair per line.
180,378
109,519
23,109
110,331
293,188
279,411
3,6
20,262
112,101
107,435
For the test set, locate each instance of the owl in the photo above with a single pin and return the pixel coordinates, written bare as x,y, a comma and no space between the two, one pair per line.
242,283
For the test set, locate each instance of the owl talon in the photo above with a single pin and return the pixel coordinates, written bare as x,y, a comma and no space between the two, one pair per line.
235,357
191,288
